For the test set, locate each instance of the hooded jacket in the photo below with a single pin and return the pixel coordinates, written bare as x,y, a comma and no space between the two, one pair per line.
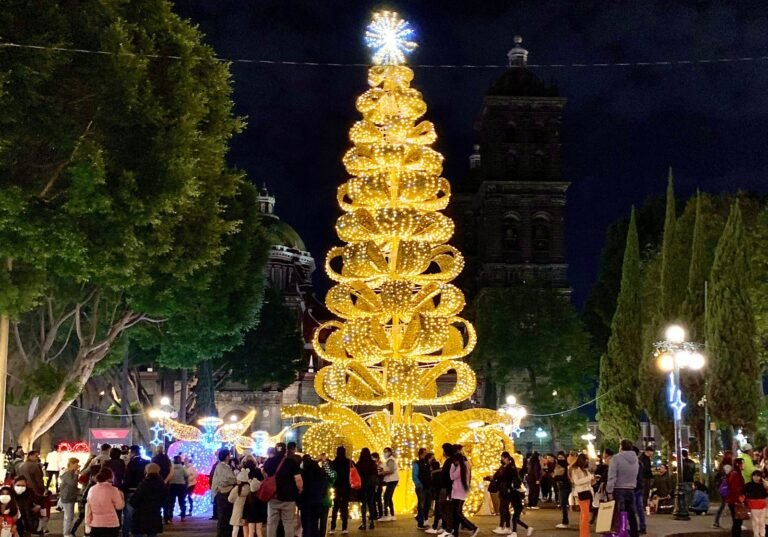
622,472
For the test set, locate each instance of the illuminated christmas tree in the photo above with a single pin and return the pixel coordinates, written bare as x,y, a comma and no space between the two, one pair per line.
400,329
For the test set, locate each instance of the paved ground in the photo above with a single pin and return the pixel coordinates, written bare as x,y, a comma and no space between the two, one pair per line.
543,520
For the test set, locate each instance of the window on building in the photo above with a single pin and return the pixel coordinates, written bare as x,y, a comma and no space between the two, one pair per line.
541,234
511,233
510,133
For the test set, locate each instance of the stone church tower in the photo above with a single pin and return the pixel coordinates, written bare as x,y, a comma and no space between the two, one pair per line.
509,211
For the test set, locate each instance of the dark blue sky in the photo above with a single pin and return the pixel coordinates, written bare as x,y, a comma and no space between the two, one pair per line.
623,126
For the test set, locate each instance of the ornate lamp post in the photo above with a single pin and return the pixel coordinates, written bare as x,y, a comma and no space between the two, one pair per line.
160,414
672,355
517,413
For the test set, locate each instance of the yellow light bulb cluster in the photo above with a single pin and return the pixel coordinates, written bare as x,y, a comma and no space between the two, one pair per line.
399,328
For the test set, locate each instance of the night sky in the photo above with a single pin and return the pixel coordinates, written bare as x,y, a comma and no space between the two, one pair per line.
622,128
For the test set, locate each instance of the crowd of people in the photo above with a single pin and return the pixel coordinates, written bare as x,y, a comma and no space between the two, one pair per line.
118,491
320,491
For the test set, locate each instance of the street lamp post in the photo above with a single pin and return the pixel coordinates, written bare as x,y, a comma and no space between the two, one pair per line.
517,413
672,355
541,434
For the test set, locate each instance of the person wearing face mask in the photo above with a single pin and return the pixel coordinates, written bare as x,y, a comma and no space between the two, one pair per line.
391,479
9,512
68,494
32,471
563,482
29,507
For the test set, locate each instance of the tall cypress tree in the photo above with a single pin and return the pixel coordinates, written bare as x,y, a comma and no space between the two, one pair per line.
694,309
663,310
616,405
734,371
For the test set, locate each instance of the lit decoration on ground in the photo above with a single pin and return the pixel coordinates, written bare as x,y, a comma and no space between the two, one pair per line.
390,38
399,329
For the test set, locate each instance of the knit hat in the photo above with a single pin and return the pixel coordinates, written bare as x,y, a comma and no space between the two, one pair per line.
242,476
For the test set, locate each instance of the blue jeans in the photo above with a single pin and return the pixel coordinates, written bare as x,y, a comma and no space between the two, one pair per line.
424,497
127,516
625,502
640,508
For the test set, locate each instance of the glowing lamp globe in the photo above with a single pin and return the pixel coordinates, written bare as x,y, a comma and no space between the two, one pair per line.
665,362
675,333
511,400
683,359
165,401
696,361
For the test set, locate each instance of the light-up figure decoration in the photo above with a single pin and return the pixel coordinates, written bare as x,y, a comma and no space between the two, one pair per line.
672,355
389,37
399,328
201,444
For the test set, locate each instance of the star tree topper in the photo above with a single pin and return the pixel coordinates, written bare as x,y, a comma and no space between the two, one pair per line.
390,38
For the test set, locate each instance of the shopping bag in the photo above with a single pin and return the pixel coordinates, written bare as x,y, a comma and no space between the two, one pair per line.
623,527
605,517
740,511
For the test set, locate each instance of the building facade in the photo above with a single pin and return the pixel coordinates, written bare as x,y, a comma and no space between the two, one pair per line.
509,211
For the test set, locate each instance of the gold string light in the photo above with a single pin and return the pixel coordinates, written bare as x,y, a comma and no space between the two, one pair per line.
399,328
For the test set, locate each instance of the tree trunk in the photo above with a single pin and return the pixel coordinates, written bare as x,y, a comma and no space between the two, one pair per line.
50,412
183,396
124,403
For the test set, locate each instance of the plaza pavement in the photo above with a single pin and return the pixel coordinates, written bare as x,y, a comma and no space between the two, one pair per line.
543,520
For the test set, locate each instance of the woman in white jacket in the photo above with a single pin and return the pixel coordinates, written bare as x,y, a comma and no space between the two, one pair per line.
237,497
582,479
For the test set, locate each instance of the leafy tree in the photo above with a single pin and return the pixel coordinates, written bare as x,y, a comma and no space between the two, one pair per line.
532,336
617,404
664,291
759,289
271,352
732,391
114,193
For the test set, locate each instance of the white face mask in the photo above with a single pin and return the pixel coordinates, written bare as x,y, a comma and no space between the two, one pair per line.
387,455
20,489
5,498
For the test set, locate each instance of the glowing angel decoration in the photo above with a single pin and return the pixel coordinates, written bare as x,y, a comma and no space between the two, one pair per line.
398,344
390,38
214,431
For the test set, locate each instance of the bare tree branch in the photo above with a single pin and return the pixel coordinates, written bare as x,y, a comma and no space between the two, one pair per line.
62,165
19,344
95,317
53,331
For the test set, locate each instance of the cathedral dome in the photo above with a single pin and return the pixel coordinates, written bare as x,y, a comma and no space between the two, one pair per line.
518,81
282,234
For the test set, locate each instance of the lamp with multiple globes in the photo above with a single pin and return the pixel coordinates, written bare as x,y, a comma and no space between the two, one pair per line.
673,355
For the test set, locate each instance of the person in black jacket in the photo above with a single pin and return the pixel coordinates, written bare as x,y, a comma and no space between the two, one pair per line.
134,475
369,476
341,489
147,502
435,493
311,499
647,471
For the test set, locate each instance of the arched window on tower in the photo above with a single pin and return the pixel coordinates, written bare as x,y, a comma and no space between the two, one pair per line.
510,235
541,236
510,133
511,159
